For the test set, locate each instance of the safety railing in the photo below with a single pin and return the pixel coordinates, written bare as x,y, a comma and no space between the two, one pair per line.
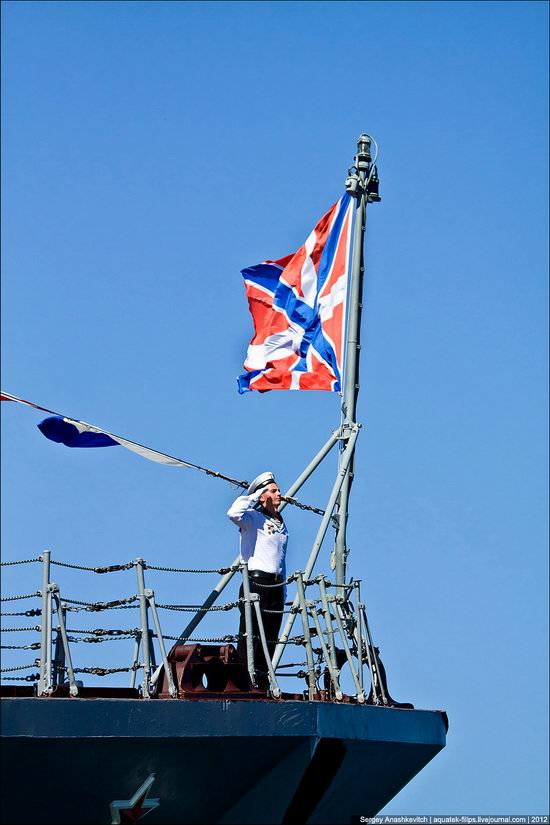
335,633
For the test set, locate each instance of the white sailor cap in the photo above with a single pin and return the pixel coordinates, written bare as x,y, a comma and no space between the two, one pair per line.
260,481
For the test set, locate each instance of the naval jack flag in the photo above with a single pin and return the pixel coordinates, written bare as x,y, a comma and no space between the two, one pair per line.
298,306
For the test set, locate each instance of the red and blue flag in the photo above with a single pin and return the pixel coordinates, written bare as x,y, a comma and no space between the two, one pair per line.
298,306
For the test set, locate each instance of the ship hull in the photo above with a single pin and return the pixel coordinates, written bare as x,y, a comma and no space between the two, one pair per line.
65,760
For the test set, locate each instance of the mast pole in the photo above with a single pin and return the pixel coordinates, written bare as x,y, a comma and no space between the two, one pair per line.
362,184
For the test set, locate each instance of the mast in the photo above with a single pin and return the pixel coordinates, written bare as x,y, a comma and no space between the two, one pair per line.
362,184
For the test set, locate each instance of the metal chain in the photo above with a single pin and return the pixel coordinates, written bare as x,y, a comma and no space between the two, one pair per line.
245,484
17,598
19,629
92,609
206,641
22,561
234,481
116,567
98,639
310,582
35,612
21,667
113,568
293,664
198,608
220,570
33,677
301,506
97,606
34,646
293,640
229,606
105,671
102,632
256,583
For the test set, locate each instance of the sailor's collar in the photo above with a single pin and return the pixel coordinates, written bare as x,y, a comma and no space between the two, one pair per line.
277,522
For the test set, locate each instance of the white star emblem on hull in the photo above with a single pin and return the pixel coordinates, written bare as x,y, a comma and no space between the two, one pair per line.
134,809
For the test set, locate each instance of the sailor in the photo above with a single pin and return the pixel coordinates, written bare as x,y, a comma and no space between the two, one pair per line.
264,540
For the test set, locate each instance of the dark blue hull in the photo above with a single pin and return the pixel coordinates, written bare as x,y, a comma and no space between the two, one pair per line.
65,760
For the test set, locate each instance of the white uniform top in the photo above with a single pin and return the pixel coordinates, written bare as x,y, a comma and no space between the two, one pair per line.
263,538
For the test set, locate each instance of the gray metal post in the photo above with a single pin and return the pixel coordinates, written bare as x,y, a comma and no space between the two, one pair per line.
375,679
49,641
307,635
58,661
376,671
248,624
68,656
346,457
347,651
150,596
45,558
144,628
359,633
340,542
275,689
372,670
226,578
73,688
326,654
321,580
353,346
152,656
135,662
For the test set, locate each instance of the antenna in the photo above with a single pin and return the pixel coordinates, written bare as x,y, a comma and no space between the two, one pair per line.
362,183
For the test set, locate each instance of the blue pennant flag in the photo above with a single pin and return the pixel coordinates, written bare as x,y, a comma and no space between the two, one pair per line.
73,434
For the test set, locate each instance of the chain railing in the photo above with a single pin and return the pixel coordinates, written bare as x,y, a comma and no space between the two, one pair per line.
335,632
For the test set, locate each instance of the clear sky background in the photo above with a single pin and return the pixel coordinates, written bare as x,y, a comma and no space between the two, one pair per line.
152,150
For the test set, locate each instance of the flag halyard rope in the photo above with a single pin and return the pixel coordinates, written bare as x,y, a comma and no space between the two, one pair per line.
137,447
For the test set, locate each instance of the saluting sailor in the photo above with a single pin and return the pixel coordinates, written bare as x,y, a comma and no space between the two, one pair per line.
264,540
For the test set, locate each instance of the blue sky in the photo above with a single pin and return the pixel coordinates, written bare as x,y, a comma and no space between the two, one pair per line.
152,150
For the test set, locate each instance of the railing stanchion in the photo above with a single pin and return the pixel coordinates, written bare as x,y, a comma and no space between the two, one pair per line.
275,689
145,638
248,624
312,685
153,661
135,663
349,657
58,661
45,557
359,633
328,621
372,669
150,595
374,663
49,642
326,653
73,688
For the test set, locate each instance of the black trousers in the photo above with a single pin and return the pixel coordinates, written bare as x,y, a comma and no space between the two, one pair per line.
271,598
